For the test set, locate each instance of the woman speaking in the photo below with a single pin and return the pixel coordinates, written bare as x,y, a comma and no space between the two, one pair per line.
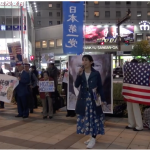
89,112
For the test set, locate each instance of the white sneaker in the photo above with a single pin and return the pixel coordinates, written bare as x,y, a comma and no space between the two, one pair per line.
87,142
91,143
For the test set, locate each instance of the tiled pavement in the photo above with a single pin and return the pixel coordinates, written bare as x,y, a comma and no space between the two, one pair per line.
60,133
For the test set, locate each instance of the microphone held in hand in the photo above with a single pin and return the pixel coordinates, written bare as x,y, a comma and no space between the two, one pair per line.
81,70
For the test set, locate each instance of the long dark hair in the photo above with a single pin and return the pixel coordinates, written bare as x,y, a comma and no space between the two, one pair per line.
90,58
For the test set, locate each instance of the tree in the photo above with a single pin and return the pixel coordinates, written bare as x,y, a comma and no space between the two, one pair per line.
141,51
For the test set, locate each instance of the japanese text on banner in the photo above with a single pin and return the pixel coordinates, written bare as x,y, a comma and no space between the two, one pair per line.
72,27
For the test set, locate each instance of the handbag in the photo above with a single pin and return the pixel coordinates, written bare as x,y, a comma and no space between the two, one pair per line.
97,97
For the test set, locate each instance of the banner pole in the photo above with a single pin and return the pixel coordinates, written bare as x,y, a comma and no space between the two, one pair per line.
84,25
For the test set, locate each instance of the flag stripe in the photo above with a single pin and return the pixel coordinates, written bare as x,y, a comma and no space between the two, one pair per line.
136,89
139,102
136,96
136,99
136,86
135,92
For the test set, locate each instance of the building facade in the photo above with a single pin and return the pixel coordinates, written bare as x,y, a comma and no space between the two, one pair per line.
100,25
49,14
10,28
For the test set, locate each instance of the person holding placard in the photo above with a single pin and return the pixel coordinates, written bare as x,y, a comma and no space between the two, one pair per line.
45,95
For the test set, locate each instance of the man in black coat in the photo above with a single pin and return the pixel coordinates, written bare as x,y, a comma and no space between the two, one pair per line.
1,103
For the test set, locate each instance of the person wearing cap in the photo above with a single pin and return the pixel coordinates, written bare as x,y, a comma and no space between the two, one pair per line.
22,91
31,85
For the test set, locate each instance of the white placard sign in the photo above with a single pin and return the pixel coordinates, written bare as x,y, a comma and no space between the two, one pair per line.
46,86
7,86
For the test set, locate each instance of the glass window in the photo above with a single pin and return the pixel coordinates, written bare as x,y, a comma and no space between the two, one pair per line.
2,20
139,37
50,23
107,13
128,3
96,2
58,5
58,22
118,3
59,42
96,13
51,43
50,13
139,14
139,3
15,20
44,44
148,13
58,14
50,5
8,20
107,3
38,44
118,13
38,13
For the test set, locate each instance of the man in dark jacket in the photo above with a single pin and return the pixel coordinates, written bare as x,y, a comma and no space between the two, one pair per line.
53,73
35,89
22,92
1,103
31,85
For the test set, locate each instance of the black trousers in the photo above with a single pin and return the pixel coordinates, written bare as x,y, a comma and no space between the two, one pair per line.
30,99
34,93
2,104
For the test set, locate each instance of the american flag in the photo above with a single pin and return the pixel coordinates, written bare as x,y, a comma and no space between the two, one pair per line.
136,85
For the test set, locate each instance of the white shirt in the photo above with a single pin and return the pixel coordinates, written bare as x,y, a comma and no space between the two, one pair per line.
87,75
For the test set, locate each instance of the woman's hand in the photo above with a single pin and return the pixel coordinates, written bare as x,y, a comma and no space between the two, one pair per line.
80,71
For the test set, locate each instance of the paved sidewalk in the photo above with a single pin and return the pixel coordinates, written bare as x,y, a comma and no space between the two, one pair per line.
60,133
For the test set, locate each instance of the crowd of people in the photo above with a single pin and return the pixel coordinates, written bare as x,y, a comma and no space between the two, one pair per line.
26,92
90,117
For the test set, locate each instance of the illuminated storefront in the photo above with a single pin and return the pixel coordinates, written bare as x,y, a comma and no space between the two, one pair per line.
11,27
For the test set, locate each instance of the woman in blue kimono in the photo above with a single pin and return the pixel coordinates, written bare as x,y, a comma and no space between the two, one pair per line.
90,117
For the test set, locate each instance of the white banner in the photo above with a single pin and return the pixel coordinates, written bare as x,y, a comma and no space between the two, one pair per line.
7,86
46,86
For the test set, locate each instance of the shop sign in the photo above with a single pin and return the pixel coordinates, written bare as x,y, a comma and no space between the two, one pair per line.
11,3
144,25
101,47
4,58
